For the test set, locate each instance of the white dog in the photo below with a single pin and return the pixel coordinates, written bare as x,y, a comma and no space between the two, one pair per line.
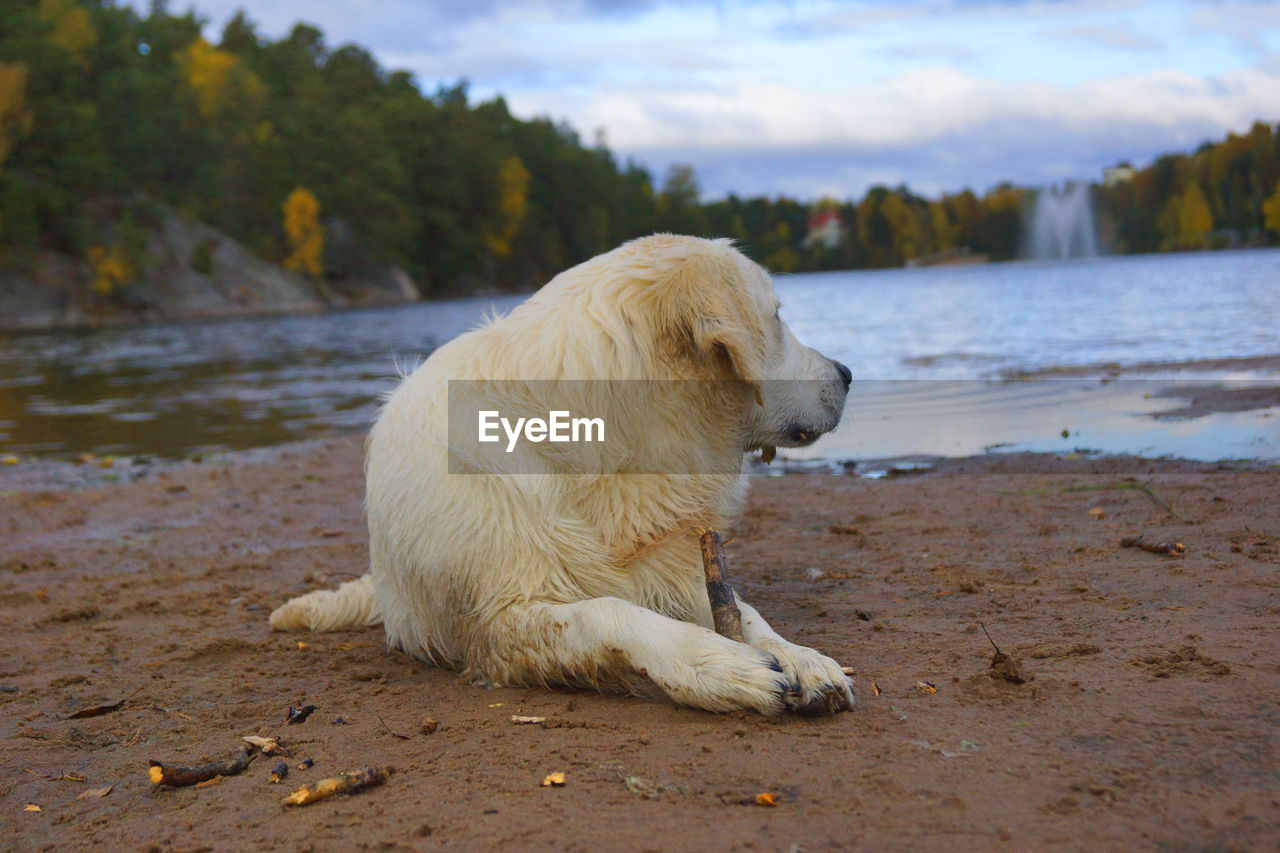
569,577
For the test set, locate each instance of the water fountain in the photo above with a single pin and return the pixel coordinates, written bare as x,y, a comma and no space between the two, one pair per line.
1062,224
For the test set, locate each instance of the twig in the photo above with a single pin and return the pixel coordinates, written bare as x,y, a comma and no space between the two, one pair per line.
343,783
989,640
389,730
181,777
1165,549
725,614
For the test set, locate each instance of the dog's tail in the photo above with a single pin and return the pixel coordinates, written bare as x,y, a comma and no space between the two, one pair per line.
347,608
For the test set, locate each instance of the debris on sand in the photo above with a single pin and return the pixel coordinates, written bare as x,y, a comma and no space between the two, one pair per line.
343,783
1006,666
554,780
279,772
95,710
265,745
299,715
1164,549
768,798
181,777
521,720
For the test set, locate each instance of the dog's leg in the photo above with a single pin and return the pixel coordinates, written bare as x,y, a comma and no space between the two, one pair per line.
824,688
605,640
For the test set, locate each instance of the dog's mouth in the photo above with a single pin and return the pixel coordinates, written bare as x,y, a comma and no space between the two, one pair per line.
796,436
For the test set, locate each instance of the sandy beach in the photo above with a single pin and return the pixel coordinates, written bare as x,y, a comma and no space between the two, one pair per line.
1150,722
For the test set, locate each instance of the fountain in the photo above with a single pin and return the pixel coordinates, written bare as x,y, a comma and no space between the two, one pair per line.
1062,224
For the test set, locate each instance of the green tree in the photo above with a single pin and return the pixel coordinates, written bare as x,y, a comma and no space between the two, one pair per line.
1271,212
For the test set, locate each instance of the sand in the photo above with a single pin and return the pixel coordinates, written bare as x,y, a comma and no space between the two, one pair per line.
1151,722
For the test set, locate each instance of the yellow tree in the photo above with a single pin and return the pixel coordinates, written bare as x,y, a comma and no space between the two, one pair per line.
907,242
1195,221
218,78
304,233
513,204
15,118
71,28
1271,212
945,232
111,269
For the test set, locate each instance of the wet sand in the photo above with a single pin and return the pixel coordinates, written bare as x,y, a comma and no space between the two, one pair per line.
1150,723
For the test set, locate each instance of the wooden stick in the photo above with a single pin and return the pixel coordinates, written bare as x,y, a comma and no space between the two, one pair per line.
343,783
1167,549
724,607
181,777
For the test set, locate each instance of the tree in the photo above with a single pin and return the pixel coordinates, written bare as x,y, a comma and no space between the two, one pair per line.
1194,219
513,189
1271,212
15,118
677,205
304,233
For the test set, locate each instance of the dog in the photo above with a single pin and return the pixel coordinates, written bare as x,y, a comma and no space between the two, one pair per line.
515,572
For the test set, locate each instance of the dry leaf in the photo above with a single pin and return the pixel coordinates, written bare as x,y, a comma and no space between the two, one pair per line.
1098,512
32,807
207,783
875,688
926,686
302,647
429,725
95,793
520,720
767,799
555,780
847,670
95,710
72,776
265,745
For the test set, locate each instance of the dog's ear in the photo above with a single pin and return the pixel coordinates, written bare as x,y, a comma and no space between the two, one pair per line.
704,305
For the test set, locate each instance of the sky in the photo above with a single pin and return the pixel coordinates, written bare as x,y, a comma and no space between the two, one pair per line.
812,98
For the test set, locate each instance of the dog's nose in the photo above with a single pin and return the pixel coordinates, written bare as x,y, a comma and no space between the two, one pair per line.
845,373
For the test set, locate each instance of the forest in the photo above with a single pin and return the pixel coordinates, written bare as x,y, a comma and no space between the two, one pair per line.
317,158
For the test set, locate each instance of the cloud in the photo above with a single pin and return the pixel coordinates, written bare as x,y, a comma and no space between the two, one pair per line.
1246,23
933,128
1119,38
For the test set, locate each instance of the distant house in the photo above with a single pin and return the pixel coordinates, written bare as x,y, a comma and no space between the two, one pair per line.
825,229
1121,173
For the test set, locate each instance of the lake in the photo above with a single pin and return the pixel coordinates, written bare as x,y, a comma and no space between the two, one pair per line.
928,347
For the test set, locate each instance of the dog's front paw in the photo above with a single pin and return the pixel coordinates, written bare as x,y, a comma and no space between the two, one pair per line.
723,675
822,688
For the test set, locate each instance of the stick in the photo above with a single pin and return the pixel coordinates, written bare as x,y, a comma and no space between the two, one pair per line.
724,607
343,783
1167,549
181,777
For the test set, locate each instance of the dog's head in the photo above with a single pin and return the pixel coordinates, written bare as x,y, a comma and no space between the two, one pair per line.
719,308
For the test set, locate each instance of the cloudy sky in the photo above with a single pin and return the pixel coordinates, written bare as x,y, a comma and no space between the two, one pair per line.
822,97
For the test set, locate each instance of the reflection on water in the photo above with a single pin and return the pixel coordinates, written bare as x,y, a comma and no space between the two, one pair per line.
885,419
176,389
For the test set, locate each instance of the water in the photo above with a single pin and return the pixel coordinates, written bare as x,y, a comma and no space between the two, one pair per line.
182,388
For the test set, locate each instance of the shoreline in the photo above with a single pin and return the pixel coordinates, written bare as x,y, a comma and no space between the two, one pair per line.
154,594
